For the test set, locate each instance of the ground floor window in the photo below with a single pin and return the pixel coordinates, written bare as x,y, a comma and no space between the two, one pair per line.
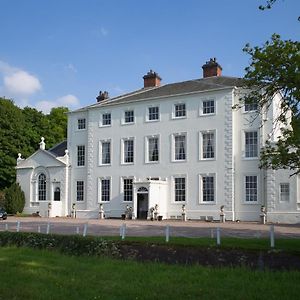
80,191
128,189
284,191
105,189
251,188
208,188
42,187
180,189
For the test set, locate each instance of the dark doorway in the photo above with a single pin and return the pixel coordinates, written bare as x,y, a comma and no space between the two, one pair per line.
142,206
57,194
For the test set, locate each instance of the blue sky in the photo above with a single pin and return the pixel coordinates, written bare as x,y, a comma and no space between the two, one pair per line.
63,52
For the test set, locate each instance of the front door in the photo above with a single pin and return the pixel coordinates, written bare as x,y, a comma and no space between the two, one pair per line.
142,206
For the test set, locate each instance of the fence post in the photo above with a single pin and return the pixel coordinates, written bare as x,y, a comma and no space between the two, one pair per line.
48,228
167,233
272,237
6,227
84,230
18,226
218,236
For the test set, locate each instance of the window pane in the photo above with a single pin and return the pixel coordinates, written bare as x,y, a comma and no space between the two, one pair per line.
105,152
80,155
251,188
80,191
179,188
106,119
180,147
153,154
208,188
284,192
251,106
180,110
153,113
251,144
129,116
208,145
209,107
81,123
128,189
42,187
128,151
105,190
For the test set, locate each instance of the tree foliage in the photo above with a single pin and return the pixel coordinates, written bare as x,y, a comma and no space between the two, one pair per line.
21,131
275,69
14,199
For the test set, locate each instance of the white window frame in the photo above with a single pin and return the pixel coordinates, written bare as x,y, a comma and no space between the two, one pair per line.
123,150
257,188
83,191
201,140
147,119
100,188
147,160
101,119
124,119
281,194
173,192
201,198
201,108
245,132
100,152
174,111
122,188
83,156
80,123
173,151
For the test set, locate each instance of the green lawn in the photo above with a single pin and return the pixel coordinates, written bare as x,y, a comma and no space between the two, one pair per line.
40,274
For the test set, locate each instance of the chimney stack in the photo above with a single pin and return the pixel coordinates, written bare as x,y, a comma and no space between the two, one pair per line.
151,79
211,68
102,96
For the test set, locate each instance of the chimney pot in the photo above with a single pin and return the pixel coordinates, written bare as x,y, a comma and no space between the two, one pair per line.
211,68
102,96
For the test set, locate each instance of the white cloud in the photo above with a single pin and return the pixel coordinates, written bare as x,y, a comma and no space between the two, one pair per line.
18,82
69,101
103,31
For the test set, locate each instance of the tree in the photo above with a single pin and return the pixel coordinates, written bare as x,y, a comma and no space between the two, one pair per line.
275,69
14,200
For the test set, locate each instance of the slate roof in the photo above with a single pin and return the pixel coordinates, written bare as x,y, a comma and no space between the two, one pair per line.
59,149
173,89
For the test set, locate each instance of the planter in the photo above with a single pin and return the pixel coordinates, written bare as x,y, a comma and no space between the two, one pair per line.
159,218
123,216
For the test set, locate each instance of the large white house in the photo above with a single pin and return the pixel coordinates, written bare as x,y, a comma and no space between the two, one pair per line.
166,145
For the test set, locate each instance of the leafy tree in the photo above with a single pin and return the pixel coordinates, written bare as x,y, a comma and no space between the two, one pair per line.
14,200
275,69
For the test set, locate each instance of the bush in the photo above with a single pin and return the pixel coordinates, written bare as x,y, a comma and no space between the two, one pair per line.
2,195
14,200
67,244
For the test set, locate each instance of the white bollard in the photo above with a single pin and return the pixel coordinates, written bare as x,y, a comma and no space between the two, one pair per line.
218,236
123,231
39,229
6,227
272,238
77,229
18,226
48,228
84,230
167,233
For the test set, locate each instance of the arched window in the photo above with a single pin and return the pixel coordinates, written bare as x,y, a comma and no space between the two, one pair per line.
42,187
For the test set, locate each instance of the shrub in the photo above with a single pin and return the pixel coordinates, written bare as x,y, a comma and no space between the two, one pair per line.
14,200
2,194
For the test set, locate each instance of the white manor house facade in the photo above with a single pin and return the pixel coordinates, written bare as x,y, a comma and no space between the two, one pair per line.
176,147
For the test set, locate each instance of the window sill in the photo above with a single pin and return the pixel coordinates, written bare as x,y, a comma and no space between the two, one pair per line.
207,115
130,123
179,118
103,126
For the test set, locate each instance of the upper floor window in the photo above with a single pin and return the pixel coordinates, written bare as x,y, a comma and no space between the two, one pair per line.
208,145
179,147
153,149
128,189
179,110
106,119
179,189
251,106
251,144
129,116
208,107
81,155
284,191
153,113
80,190
42,187
128,150
81,124
251,188
105,152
